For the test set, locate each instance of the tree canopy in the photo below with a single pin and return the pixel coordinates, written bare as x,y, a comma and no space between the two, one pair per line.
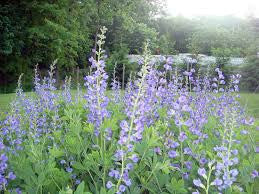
38,32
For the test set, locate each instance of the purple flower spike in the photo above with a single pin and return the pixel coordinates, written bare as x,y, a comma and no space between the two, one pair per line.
96,84
129,166
127,182
169,60
175,144
203,161
202,172
109,185
167,67
11,175
188,165
157,150
122,188
197,182
182,99
187,151
188,123
182,136
254,174
217,182
134,158
172,154
68,169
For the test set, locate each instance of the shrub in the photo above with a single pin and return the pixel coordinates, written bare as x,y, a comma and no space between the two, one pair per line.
250,74
179,135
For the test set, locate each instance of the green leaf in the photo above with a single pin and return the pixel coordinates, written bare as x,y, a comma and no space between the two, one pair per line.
176,186
163,179
80,188
41,178
89,128
66,191
103,191
56,153
79,166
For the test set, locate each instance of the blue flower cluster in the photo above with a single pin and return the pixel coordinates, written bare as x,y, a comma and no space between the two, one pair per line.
171,129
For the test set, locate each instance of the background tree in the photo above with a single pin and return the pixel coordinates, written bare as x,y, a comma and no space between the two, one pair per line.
35,31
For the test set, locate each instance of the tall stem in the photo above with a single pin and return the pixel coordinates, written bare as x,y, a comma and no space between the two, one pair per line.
208,181
132,119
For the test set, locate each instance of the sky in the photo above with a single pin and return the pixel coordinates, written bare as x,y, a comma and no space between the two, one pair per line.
192,8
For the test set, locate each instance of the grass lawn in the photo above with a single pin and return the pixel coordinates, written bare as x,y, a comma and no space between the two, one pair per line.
249,100
5,100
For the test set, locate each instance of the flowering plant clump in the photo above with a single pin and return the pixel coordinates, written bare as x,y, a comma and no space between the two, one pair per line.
168,132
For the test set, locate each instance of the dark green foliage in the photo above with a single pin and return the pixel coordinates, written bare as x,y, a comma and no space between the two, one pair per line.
119,59
250,75
41,31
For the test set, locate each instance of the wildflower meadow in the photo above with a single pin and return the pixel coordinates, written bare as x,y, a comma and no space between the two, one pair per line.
166,132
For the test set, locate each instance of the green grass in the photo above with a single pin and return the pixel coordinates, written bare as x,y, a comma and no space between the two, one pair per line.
251,102
5,100
248,100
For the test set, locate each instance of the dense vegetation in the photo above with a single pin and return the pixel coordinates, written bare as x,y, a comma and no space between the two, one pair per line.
168,132
38,32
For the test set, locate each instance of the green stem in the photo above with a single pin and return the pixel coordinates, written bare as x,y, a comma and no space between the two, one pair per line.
182,159
132,120
181,153
208,181
92,180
